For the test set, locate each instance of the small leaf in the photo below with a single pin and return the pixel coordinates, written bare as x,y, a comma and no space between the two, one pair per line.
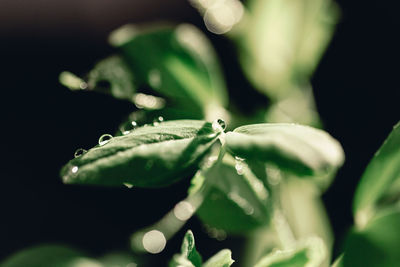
177,62
311,253
235,201
112,75
380,183
377,243
221,259
48,256
149,156
303,150
189,256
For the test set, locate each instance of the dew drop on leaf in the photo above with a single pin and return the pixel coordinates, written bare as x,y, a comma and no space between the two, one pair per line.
128,127
79,152
104,139
158,120
74,169
219,125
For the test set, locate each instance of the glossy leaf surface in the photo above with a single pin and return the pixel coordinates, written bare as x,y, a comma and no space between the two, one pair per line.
149,156
380,183
303,150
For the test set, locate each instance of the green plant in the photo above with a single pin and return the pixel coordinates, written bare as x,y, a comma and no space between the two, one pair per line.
260,177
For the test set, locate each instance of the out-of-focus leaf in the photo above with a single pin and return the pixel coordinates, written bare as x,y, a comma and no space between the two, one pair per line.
282,41
111,75
311,253
177,62
236,201
376,244
189,256
380,183
49,256
221,259
302,150
149,156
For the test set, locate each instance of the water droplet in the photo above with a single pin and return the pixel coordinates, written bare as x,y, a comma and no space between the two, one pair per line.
219,125
79,152
239,168
128,127
183,210
157,120
74,169
104,139
154,241
128,185
155,78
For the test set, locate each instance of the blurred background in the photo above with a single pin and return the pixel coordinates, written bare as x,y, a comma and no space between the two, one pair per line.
355,85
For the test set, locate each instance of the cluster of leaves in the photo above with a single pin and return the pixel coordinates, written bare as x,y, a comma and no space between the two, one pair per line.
255,177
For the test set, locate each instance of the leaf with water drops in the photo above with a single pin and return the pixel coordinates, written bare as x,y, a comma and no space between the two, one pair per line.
303,150
310,253
149,156
49,255
177,62
221,259
380,183
377,243
236,201
189,257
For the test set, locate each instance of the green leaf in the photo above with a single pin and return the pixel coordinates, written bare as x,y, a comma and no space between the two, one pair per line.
149,156
376,244
110,75
49,256
221,259
177,62
380,183
235,200
281,42
189,256
310,253
303,150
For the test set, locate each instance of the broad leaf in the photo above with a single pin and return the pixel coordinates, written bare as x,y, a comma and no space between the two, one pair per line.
149,156
236,201
376,244
303,150
311,253
177,62
49,256
189,256
221,259
380,183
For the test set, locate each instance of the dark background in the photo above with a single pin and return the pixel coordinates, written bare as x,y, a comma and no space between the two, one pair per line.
356,88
